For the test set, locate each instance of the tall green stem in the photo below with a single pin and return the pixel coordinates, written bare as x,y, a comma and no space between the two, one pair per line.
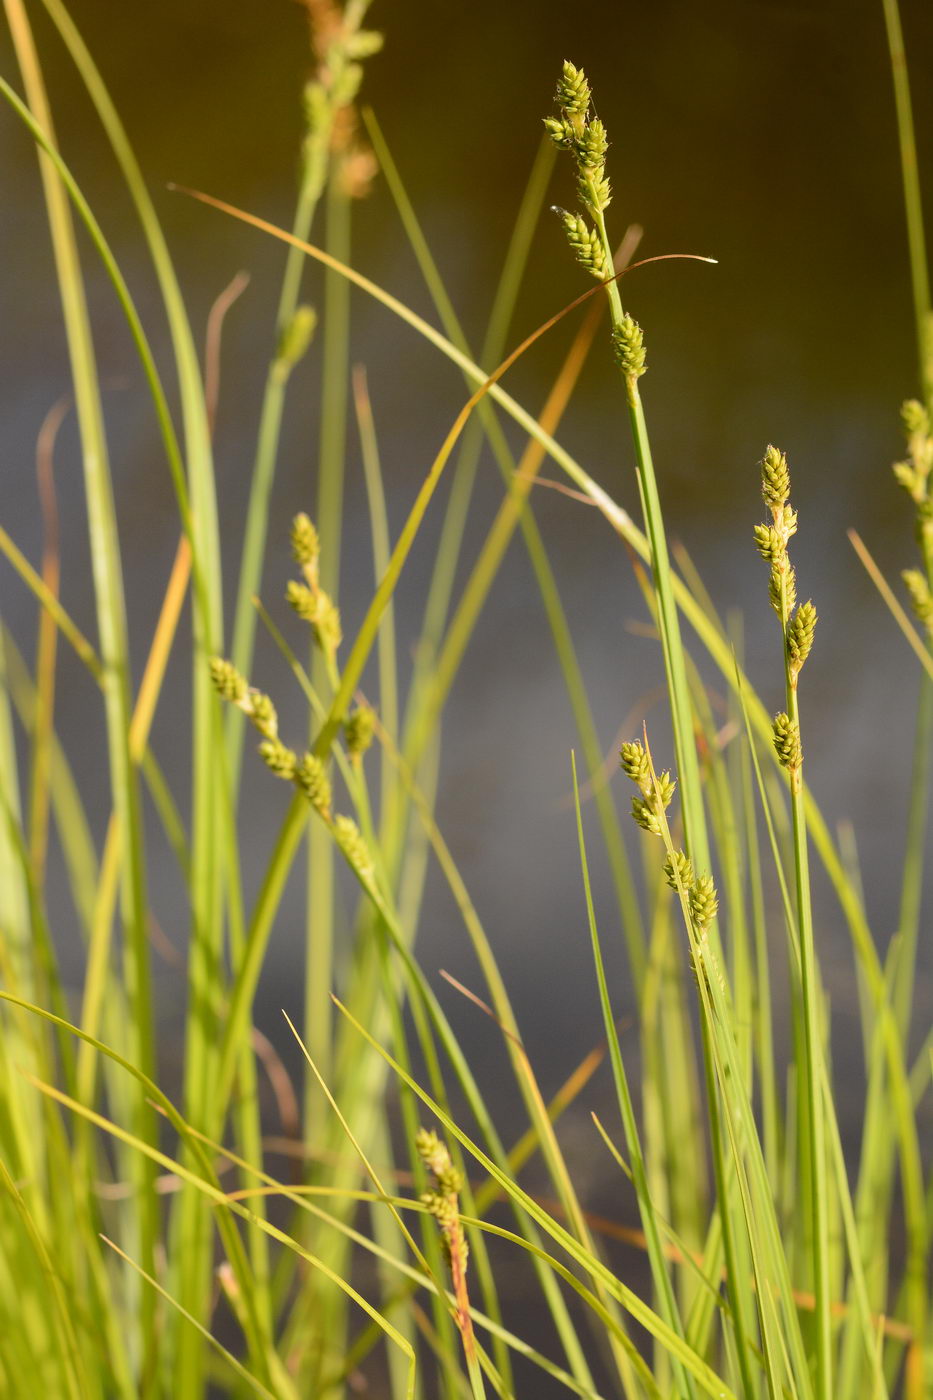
913,200
111,621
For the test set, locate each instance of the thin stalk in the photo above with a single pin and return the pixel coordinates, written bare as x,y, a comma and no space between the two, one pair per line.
797,626
876,1171
331,1306
667,1303
379,528
813,1045
913,198
46,650
696,841
319,928
313,178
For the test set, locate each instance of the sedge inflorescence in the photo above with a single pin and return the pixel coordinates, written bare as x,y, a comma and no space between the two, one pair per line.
649,808
798,624
583,135
307,771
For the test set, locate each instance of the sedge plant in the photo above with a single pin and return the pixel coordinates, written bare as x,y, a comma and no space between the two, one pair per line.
151,1242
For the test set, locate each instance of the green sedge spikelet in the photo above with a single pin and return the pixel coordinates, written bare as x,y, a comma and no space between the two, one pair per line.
278,758
262,713
909,479
645,816
442,1200
678,871
775,479
782,587
353,846
561,132
227,681
592,145
915,418
656,793
306,545
633,761
921,600
768,542
302,600
573,91
704,902
585,243
785,734
311,776
358,730
628,347
800,635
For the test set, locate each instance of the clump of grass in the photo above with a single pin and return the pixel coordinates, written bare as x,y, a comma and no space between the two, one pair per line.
125,1217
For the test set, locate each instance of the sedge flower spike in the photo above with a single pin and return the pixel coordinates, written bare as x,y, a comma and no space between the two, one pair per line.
584,137
358,730
279,759
628,347
678,871
704,902
771,541
442,1200
306,546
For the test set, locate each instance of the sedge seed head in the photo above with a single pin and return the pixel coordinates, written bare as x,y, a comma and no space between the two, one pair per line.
915,418
302,599
430,1149
918,590
785,734
561,132
768,542
800,634
364,43
644,814
782,588
311,777
353,845
909,479
358,729
704,902
775,478
594,190
573,91
628,348
664,788
262,713
679,868
329,632
306,545
279,759
585,243
634,764
227,681
592,146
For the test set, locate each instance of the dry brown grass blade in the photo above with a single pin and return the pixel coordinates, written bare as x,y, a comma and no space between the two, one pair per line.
887,593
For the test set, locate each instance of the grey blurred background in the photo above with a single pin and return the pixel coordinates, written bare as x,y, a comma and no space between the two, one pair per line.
761,134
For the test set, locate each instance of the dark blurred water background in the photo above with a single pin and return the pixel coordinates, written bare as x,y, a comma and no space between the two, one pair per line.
761,134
